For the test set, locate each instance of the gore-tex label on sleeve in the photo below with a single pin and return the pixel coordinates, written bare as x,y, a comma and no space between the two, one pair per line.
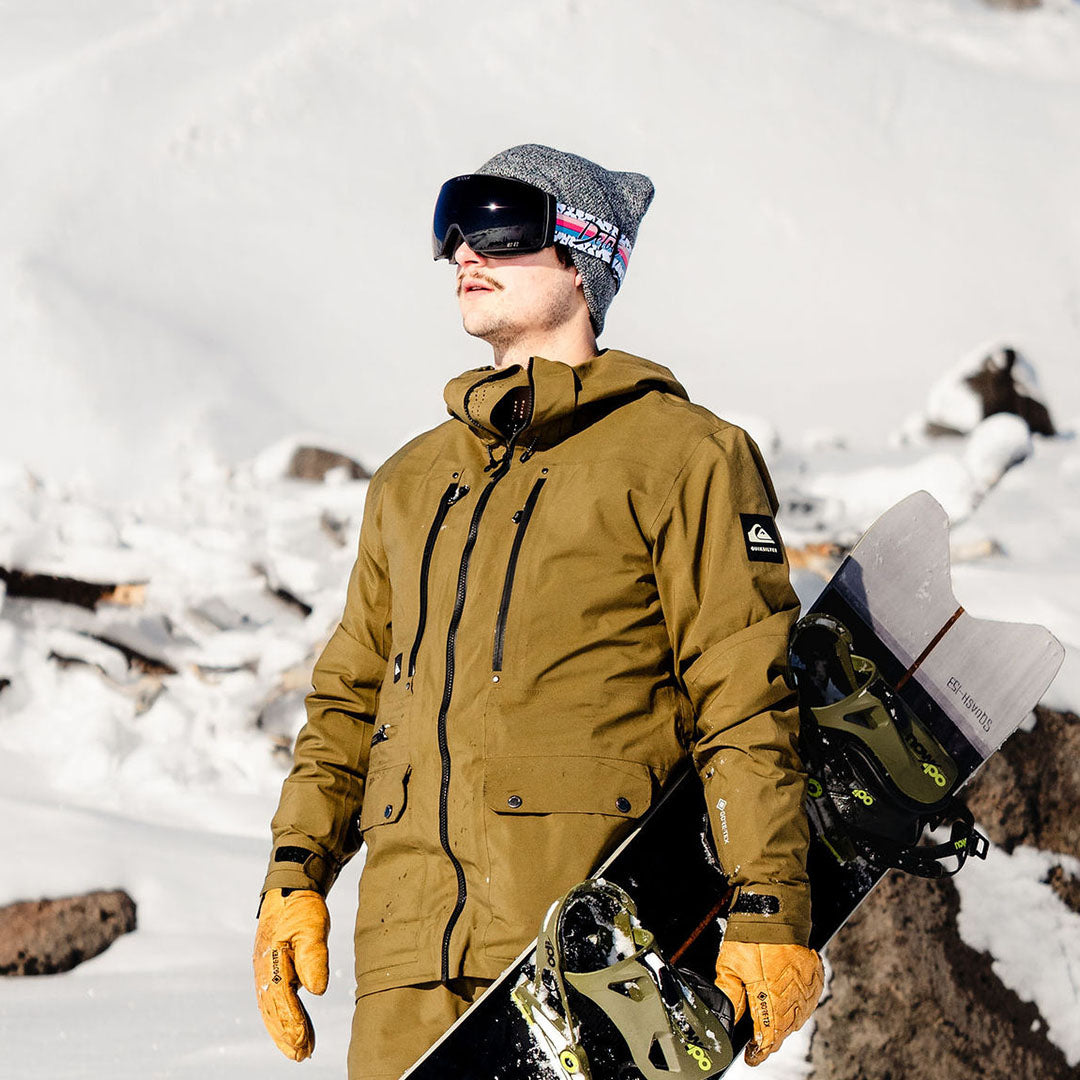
762,539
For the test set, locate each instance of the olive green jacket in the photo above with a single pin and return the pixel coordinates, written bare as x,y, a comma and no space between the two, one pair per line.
534,637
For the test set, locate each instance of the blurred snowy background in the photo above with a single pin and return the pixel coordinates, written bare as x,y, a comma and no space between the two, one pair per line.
214,250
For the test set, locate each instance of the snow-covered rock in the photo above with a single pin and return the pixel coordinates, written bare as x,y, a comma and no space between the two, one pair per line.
995,378
191,681
844,501
862,495
994,446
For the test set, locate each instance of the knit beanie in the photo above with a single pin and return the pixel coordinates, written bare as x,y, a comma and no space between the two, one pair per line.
599,212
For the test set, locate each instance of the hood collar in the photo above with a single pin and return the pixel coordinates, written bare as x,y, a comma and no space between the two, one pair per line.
555,391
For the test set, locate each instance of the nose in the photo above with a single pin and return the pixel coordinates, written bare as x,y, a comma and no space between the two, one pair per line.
465,256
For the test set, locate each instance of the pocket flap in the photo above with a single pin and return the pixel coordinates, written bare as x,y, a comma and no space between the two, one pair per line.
567,785
385,795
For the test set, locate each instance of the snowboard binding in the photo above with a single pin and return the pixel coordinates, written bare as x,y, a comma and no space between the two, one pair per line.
592,946
878,774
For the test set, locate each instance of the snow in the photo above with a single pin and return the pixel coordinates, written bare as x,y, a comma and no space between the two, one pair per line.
212,208
174,999
995,446
790,1062
1008,910
212,237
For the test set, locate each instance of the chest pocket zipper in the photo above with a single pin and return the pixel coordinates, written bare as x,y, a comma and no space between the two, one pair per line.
522,517
450,496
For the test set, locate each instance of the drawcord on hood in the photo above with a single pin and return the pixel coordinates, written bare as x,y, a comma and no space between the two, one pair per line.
502,465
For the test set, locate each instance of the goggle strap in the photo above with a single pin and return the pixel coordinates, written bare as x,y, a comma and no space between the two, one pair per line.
582,231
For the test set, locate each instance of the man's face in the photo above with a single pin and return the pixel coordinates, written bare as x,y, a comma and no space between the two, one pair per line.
506,297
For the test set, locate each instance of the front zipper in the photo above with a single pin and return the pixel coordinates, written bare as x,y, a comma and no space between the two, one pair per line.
449,497
522,518
448,688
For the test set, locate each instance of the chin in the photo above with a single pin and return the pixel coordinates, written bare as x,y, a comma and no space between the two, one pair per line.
480,326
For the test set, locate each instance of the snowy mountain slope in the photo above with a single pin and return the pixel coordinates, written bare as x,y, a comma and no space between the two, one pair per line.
214,228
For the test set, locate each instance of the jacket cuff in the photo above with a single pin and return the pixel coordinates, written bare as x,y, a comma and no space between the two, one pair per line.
293,866
770,915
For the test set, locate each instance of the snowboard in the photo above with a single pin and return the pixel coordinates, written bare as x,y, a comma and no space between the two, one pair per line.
965,684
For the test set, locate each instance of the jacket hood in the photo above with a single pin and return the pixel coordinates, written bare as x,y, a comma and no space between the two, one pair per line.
552,393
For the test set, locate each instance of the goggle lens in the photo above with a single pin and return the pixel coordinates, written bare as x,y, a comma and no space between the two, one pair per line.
494,215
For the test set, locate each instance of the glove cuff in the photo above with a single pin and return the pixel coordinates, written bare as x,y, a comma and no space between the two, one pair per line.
294,866
770,914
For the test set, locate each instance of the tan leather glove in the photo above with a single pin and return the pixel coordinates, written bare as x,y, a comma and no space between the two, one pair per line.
782,982
290,951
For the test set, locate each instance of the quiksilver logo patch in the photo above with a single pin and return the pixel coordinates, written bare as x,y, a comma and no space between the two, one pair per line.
761,537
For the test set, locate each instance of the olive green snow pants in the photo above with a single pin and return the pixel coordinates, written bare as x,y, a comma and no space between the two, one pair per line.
391,1029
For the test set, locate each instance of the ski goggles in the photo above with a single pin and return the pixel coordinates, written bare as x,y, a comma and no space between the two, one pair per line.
496,215
493,215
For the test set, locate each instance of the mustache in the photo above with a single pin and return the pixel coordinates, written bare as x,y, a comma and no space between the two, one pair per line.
474,276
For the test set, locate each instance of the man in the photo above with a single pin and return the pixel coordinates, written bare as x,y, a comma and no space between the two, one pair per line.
554,602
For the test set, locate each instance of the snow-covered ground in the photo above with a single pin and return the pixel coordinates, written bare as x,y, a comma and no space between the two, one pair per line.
213,233
163,784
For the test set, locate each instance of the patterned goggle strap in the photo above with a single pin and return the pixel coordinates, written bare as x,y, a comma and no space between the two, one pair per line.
582,231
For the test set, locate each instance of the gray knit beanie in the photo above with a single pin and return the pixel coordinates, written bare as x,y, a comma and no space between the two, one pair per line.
598,216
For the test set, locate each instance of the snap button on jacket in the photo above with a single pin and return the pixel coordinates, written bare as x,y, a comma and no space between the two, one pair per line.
553,604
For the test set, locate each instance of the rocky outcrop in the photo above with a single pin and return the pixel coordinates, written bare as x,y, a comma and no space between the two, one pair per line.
908,998
1028,793
42,937
997,379
313,463
87,594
